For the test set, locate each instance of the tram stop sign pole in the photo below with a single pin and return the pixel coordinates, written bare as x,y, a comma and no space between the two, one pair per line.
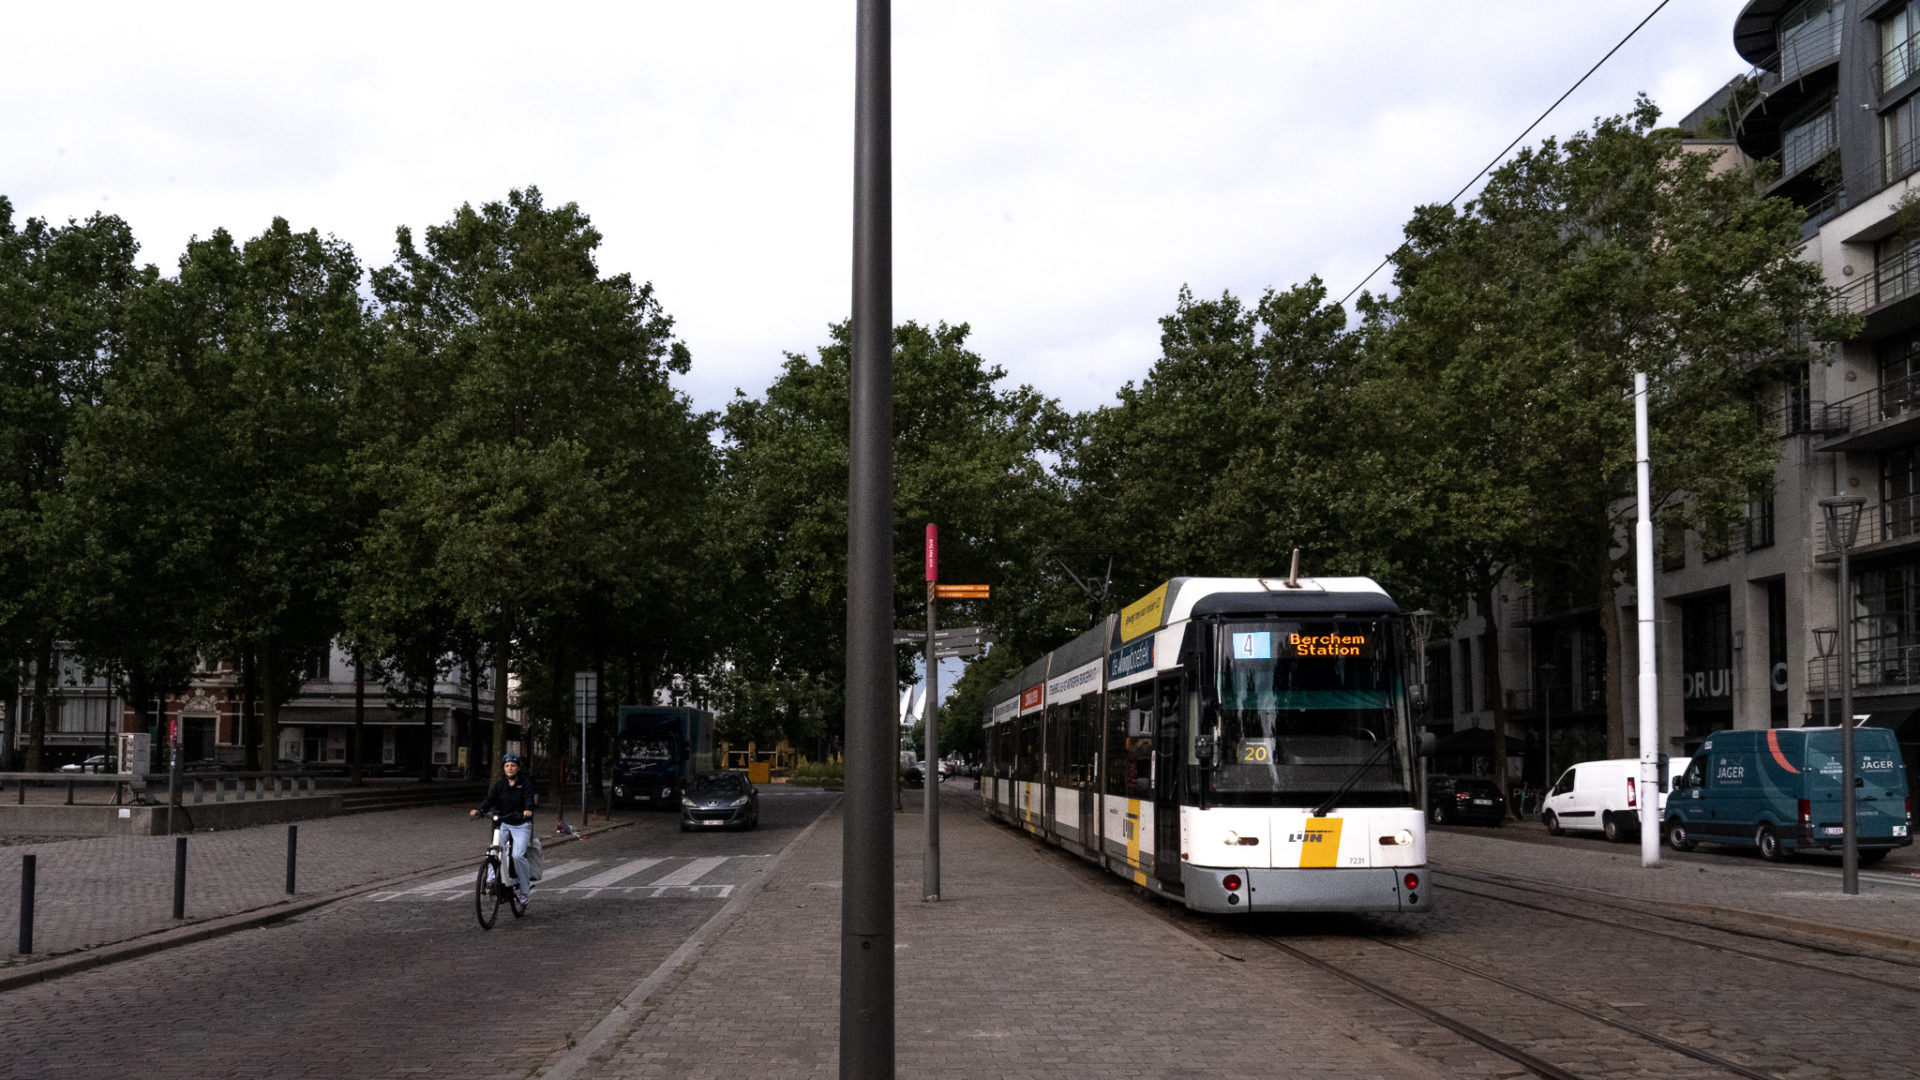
930,716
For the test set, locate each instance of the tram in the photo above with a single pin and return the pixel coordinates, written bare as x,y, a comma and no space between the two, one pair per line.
1233,744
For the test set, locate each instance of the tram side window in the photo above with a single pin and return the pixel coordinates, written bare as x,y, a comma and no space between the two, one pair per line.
1140,732
1057,725
1118,703
1029,763
1085,741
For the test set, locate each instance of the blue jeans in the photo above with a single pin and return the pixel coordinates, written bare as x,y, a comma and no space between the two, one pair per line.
519,836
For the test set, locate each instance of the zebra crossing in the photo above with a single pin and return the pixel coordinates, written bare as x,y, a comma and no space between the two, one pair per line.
704,877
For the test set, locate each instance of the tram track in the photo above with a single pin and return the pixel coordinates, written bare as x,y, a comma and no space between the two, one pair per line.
1486,1039
1524,885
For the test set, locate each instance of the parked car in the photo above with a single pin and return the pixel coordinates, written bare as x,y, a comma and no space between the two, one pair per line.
96,763
719,800
910,773
1778,791
1464,799
1603,797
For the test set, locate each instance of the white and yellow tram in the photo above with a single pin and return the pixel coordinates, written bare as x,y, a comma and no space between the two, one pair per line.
1237,744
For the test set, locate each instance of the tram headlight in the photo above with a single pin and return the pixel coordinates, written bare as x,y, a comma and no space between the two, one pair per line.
1403,838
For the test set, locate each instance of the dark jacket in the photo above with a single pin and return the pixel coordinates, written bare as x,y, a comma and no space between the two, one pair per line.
510,801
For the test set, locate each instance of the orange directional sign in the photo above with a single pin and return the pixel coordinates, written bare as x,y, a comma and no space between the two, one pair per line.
961,592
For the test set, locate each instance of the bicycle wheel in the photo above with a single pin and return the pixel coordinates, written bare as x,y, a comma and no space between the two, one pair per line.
486,896
513,901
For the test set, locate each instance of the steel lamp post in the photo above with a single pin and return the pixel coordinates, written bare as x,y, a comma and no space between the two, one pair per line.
1842,513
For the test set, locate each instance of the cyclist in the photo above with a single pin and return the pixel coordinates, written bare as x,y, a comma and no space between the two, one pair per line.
512,798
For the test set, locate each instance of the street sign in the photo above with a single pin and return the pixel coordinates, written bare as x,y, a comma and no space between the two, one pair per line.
953,635
942,653
961,592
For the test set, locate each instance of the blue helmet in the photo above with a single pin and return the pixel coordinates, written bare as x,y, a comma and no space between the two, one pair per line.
515,758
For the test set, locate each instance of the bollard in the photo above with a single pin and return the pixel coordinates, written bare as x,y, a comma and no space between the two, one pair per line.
293,845
26,904
69,793
180,878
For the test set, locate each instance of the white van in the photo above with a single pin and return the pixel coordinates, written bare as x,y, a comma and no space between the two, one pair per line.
1601,796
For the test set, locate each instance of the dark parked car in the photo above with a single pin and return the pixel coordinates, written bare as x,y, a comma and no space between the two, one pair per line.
719,800
96,763
1464,798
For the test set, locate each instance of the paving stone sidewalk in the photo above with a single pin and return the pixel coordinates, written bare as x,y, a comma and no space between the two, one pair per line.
96,892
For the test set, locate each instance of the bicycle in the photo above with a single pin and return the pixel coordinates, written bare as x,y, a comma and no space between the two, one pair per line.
490,888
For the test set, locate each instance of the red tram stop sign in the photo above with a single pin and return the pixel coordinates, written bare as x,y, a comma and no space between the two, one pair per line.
961,592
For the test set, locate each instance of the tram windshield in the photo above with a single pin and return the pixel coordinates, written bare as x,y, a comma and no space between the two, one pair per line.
1297,708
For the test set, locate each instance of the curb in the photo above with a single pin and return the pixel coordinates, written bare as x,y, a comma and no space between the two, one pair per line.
87,958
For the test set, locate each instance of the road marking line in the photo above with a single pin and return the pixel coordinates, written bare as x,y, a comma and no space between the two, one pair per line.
617,874
691,872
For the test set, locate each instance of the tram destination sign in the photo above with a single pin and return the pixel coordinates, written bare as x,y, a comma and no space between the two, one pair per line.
962,592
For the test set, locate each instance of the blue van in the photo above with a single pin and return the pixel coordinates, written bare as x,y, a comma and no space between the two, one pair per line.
1779,791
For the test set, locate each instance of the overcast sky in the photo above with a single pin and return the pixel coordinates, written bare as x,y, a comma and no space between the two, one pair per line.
1061,169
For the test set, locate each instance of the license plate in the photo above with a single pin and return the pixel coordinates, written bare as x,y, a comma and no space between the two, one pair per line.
1899,830
1483,802
1833,831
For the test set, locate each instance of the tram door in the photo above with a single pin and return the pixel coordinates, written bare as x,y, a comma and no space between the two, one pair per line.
1086,761
1166,780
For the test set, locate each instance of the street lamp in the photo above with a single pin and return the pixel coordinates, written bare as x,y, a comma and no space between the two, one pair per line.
1842,514
1823,647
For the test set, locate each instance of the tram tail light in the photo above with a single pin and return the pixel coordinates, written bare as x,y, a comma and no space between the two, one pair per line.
1231,882
1806,811
1411,881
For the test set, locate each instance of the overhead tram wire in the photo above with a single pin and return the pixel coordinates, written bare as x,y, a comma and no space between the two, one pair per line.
1516,141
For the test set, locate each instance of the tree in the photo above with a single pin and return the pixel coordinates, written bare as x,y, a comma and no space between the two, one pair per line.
1504,361
1218,462
522,391
968,456
63,293
222,436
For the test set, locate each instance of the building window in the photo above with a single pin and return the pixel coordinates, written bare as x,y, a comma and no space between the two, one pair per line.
1899,37
1885,601
1672,546
1898,129
1760,522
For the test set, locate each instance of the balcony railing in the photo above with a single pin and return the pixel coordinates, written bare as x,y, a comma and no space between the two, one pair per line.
1897,64
1811,44
1874,665
1804,144
1880,523
1893,279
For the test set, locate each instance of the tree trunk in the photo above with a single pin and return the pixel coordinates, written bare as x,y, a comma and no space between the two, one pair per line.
269,704
250,734
426,729
472,665
45,687
359,720
1496,694
1613,650
499,699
